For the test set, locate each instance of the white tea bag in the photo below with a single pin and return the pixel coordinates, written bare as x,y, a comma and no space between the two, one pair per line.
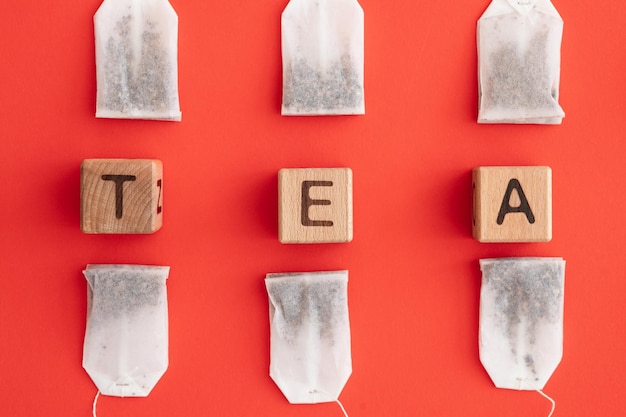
310,357
126,341
322,49
136,60
519,62
521,320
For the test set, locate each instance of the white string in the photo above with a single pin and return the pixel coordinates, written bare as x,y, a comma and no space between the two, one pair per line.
549,399
341,405
315,391
95,401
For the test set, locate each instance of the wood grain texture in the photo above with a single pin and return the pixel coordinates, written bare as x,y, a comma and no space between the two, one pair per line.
315,205
121,196
512,204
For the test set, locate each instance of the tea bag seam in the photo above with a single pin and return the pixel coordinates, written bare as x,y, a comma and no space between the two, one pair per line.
315,391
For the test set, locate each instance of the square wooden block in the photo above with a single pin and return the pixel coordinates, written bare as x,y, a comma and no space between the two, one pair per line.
512,204
121,196
314,205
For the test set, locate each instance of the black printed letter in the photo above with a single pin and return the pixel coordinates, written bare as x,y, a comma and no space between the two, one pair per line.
523,207
119,190
307,202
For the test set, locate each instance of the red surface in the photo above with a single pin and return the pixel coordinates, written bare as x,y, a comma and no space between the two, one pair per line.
414,276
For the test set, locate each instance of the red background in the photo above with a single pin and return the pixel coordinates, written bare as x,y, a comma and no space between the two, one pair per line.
414,276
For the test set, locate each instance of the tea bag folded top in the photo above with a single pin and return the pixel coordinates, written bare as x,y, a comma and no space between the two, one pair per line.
136,60
126,340
310,357
519,54
521,320
322,51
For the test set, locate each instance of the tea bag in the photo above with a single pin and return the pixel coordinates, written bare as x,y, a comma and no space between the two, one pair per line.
126,341
136,60
521,320
322,49
519,47
310,357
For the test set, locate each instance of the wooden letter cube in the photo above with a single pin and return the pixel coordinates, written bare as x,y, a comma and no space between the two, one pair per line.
315,205
121,196
512,204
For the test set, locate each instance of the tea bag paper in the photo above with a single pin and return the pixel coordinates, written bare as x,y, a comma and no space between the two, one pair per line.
310,357
136,60
126,341
322,49
521,320
519,47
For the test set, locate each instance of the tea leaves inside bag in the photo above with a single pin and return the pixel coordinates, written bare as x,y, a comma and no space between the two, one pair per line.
136,60
521,320
314,90
322,51
115,295
309,334
322,304
519,80
519,63
126,340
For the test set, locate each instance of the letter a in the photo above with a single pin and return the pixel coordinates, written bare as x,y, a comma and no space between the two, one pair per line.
523,207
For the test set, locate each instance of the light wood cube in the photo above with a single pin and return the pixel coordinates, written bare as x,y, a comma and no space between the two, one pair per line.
315,205
512,204
122,196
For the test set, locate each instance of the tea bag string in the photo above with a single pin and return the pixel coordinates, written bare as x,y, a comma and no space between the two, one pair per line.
341,406
336,400
549,399
95,401
524,8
